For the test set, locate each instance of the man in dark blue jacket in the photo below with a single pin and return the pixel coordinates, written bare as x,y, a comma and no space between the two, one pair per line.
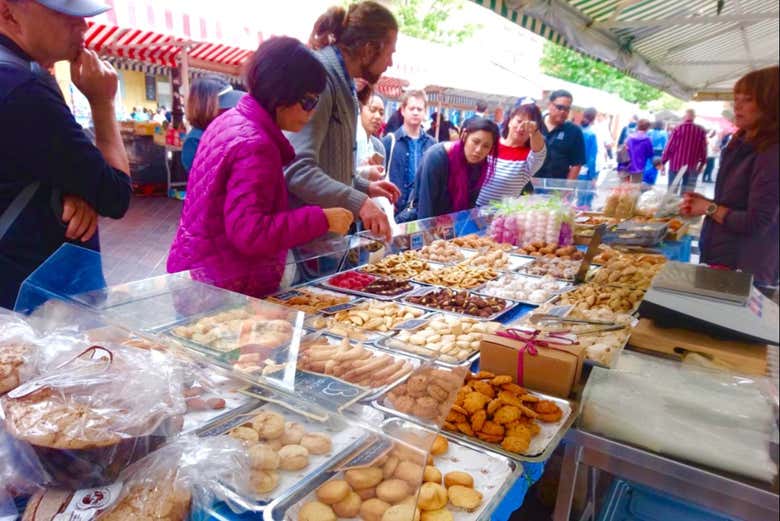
53,181
406,146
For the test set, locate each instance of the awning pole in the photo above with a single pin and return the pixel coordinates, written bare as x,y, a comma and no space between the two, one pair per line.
185,71
438,121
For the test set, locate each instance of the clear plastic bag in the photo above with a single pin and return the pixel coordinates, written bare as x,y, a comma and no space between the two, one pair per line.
91,416
19,350
183,477
20,471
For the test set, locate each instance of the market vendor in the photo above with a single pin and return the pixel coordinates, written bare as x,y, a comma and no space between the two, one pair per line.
357,42
565,144
452,174
53,181
741,223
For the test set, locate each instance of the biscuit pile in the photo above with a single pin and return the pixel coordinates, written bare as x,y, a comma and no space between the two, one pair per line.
310,301
275,444
236,328
592,296
442,251
444,337
400,266
477,242
460,276
427,393
369,315
495,410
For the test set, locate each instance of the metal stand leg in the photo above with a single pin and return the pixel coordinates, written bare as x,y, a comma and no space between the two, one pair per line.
567,483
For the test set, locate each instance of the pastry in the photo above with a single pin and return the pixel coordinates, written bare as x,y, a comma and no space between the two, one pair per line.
388,469
293,432
349,506
316,443
162,499
373,509
393,491
457,477
432,496
333,491
365,477
316,511
263,457
245,434
293,457
436,515
464,497
263,481
269,425
366,493
440,445
431,474
409,471
401,513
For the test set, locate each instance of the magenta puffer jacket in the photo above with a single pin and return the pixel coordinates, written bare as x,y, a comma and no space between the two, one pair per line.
236,226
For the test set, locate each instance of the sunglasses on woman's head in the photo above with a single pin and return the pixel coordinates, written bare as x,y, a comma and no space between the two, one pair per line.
309,102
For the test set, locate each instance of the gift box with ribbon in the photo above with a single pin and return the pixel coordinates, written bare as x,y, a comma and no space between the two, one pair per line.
548,362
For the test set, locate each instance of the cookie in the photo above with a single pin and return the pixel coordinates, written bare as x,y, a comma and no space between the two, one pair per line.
293,457
263,457
431,474
365,477
436,515
373,509
409,472
245,434
457,477
293,432
401,513
349,506
316,443
269,425
316,511
464,497
333,491
366,493
440,445
263,481
393,491
432,497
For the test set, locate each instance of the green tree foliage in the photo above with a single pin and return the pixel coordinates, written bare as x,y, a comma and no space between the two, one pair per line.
427,20
577,68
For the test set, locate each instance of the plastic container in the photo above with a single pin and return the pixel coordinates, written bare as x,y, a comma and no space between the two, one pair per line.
628,501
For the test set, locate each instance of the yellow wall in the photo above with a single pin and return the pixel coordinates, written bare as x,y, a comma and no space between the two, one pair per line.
134,90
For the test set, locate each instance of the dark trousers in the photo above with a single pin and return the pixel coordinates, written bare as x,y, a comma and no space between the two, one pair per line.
688,181
707,177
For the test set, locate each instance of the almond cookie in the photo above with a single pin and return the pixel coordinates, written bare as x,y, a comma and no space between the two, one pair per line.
457,477
464,497
333,491
263,481
432,497
365,477
269,425
316,511
393,491
349,506
373,509
316,443
293,457
263,457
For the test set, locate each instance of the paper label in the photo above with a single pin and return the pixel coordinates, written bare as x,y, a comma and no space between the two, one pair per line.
416,241
287,295
560,311
369,456
410,324
332,310
87,504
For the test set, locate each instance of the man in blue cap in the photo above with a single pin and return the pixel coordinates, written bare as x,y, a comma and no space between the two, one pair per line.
53,181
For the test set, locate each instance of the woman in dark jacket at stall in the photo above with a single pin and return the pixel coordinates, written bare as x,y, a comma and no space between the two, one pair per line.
741,224
451,174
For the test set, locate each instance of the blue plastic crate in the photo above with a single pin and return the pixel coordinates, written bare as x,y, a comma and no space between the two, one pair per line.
628,501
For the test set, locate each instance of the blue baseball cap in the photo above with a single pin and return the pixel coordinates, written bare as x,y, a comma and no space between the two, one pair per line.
229,97
80,8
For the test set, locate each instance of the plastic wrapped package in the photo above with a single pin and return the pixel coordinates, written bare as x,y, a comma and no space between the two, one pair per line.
18,351
521,221
90,417
716,419
20,471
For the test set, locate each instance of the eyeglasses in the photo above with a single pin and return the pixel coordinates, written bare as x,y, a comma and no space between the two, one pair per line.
308,103
563,108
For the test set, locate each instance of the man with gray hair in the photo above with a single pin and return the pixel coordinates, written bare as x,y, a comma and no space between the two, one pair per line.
687,147
53,181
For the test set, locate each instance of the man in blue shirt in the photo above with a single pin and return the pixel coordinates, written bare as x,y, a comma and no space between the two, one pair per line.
565,144
53,181
406,146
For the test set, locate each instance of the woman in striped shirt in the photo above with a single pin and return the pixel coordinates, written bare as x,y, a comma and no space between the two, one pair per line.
521,153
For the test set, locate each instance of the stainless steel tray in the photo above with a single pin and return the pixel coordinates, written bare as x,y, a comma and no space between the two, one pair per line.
494,475
591,271
509,307
542,446
370,336
346,439
324,284
516,262
566,286
281,297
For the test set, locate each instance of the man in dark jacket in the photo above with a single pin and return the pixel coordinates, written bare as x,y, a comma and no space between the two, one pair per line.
405,147
53,181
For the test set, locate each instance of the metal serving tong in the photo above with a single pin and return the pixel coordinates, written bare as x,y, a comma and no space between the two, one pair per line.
554,319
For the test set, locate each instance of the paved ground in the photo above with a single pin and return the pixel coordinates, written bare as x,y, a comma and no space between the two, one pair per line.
136,247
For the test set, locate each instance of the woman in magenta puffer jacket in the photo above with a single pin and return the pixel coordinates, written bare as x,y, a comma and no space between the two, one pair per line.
236,226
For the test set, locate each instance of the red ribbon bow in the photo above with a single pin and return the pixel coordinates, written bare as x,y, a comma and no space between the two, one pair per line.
532,341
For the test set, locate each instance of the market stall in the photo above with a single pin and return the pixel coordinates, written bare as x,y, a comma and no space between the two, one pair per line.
441,369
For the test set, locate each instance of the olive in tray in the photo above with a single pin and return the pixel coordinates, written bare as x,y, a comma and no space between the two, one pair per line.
460,302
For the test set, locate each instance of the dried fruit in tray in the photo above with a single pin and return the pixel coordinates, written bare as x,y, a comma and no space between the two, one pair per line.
401,265
460,302
353,280
442,251
495,410
462,276
352,362
593,296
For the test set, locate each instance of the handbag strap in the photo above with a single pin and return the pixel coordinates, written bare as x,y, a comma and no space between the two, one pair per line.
23,198
390,157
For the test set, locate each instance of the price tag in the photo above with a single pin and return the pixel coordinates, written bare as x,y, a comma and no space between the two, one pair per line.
409,325
560,311
332,310
327,391
369,456
416,241
287,295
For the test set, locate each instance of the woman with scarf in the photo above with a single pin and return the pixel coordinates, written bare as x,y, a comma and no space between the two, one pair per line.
452,174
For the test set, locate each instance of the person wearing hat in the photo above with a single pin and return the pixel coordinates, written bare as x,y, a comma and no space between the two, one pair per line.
54,182
209,97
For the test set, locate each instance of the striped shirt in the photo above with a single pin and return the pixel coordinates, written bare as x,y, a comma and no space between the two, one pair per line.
687,147
515,166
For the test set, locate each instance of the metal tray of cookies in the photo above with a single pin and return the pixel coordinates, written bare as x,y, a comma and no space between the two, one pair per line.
283,298
564,286
345,439
515,261
323,282
510,305
327,324
493,475
539,261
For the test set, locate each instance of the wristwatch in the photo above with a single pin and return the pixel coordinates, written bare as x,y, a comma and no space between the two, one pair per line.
711,209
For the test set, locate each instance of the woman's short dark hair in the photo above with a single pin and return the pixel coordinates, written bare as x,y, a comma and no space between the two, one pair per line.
560,93
658,124
281,72
529,110
202,102
352,28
